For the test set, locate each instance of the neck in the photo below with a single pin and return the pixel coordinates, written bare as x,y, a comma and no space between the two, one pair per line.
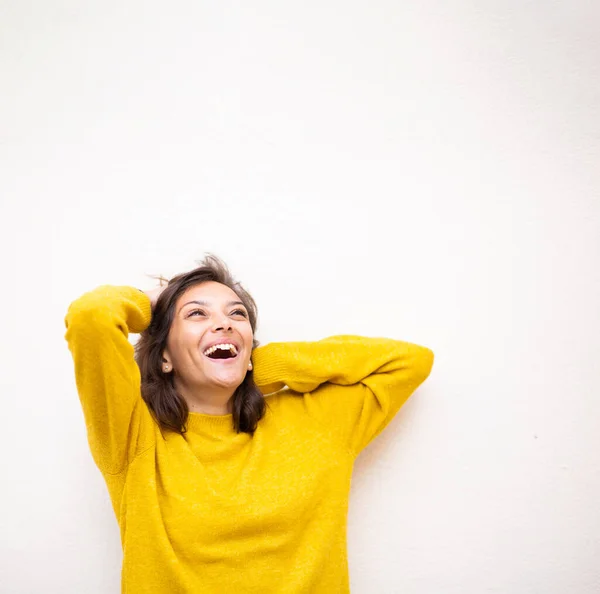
211,401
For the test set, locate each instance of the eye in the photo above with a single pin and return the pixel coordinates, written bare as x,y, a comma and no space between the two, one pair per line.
194,311
239,312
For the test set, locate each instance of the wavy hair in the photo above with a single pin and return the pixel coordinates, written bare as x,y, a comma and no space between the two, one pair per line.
168,407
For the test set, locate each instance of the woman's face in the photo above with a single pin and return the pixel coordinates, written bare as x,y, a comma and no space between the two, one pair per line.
207,315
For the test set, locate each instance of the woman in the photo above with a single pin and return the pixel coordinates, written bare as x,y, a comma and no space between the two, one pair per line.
216,488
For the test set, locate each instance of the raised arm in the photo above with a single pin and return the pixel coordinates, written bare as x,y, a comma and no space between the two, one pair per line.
379,374
107,376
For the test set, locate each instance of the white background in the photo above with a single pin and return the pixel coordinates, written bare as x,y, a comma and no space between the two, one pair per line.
427,171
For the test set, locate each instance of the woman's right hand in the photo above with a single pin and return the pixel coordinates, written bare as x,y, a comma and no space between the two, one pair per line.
154,294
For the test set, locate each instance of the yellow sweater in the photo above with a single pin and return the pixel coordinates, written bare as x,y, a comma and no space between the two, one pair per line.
214,511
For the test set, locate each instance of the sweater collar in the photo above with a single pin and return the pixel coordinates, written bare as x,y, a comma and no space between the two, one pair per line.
213,424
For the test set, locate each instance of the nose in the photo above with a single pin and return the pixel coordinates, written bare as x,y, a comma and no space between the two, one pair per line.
221,322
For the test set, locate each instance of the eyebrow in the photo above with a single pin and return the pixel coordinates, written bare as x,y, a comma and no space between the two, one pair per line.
206,304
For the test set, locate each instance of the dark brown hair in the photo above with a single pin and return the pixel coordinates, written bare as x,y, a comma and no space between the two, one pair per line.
167,406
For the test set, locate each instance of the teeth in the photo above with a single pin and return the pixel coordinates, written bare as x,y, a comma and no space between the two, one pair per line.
223,347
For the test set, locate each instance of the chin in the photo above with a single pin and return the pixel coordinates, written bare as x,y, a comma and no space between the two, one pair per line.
232,383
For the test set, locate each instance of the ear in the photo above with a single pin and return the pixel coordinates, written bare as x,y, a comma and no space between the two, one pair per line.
166,358
167,367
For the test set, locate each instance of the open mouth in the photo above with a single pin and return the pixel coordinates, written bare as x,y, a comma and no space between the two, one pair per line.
221,351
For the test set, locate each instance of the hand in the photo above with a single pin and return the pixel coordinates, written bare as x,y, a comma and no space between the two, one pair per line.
154,294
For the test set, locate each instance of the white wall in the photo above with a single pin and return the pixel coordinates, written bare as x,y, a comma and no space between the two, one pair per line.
422,170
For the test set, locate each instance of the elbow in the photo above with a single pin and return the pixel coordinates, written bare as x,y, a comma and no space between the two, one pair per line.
425,363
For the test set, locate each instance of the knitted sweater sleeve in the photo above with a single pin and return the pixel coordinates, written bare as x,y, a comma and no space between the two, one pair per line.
107,377
351,384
